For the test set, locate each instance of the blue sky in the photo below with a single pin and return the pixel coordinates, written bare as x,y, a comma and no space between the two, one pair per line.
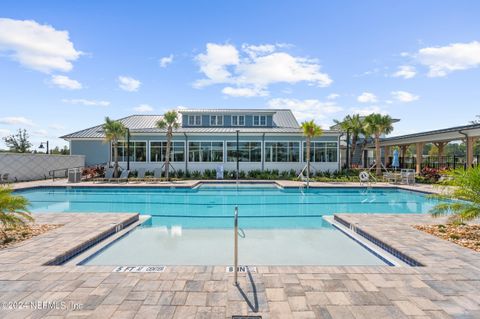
65,65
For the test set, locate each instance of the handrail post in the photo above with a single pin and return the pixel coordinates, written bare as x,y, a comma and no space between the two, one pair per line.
235,251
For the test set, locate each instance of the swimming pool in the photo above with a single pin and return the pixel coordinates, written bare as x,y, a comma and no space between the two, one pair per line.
208,206
194,226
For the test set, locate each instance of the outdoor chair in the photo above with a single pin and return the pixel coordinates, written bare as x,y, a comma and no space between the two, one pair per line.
140,176
390,177
407,176
108,176
123,176
157,175
4,178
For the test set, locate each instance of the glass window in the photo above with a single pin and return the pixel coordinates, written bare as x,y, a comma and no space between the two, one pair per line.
158,151
238,120
205,151
259,120
282,152
248,151
194,120
216,120
138,151
321,151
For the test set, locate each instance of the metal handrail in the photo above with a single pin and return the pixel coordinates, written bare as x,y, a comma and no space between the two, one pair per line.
52,172
235,248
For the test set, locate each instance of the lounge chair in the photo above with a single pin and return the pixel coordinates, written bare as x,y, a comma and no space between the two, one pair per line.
140,176
123,177
157,175
108,176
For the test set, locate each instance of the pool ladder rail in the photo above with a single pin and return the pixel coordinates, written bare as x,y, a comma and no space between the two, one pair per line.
235,248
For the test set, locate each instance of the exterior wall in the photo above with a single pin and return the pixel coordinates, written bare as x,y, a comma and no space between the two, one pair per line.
95,151
27,167
245,166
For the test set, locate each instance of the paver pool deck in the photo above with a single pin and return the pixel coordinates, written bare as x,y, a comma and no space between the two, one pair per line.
448,285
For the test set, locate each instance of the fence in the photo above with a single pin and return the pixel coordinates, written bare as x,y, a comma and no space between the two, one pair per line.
27,167
440,162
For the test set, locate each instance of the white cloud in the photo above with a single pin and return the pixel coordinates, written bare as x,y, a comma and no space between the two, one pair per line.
257,68
367,97
128,84
16,120
306,109
333,96
405,71
4,132
143,108
214,63
64,82
40,133
165,61
36,46
453,57
364,111
86,102
255,50
244,92
404,96
57,127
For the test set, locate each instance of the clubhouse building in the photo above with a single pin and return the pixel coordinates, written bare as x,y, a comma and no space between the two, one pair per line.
206,139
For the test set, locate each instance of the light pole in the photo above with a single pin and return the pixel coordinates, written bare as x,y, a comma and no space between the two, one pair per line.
128,148
41,146
238,154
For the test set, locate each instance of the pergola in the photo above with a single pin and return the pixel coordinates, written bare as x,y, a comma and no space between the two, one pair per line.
467,133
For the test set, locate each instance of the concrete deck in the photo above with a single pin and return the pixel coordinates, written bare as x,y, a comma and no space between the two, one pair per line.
446,287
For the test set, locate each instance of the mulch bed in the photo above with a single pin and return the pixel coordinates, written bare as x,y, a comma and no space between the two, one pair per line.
21,233
463,235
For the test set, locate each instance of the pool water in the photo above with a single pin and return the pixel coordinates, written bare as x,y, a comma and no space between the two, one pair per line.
194,226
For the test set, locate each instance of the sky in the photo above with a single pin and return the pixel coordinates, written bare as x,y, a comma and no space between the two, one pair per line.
66,65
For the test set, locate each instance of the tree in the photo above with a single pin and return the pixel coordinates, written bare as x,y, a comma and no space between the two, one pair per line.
63,151
354,125
477,121
13,209
19,142
114,131
310,130
169,121
463,200
377,125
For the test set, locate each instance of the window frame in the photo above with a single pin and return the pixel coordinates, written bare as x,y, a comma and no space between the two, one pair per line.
134,157
194,120
259,120
216,117
211,151
250,152
238,120
325,150
164,141
282,141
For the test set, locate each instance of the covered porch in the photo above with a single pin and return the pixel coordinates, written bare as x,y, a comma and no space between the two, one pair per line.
468,134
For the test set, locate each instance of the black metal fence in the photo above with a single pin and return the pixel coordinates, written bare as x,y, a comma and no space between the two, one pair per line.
439,162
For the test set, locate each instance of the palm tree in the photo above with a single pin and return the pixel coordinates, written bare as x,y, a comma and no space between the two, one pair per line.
13,209
168,121
355,125
310,130
463,198
377,125
114,131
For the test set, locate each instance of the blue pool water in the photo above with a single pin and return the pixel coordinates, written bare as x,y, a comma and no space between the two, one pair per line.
194,226
206,206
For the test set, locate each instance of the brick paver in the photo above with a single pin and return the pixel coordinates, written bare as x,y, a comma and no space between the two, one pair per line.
446,286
